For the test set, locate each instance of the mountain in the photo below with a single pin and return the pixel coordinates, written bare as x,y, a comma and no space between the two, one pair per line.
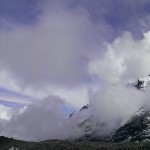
136,129
12,144
93,130
86,122
141,83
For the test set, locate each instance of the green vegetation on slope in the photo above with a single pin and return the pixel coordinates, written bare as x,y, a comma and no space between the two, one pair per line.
6,143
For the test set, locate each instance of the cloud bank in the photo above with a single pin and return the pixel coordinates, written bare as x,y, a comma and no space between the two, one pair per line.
42,120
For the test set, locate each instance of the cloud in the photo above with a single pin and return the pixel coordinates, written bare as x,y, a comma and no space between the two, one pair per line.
49,56
114,105
76,97
50,51
123,60
42,120
65,37
5,112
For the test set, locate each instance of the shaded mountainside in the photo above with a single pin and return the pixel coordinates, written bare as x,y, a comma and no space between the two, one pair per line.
135,130
141,83
90,125
7,143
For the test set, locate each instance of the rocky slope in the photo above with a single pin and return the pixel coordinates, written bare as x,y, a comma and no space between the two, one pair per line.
137,129
93,130
88,123
141,83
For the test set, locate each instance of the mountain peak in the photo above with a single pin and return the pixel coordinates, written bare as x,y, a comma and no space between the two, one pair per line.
141,83
85,107
136,129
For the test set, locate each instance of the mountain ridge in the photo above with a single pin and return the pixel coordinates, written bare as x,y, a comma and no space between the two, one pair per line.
139,123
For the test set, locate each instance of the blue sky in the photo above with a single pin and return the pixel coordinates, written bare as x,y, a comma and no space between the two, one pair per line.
120,15
22,12
13,99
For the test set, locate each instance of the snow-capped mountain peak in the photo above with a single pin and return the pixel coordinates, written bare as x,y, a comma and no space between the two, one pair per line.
84,107
141,83
138,125
137,128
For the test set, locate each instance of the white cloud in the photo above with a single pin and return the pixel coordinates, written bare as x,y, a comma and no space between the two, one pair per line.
42,120
109,67
5,112
49,51
116,103
125,58
45,57
76,97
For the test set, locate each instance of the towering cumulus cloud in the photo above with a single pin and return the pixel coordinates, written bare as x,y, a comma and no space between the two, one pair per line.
124,59
70,53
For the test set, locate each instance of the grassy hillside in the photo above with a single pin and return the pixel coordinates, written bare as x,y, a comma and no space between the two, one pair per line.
6,143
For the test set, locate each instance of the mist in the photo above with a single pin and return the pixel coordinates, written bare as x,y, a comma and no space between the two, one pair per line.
42,120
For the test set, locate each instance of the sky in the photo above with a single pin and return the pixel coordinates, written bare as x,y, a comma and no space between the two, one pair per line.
58,55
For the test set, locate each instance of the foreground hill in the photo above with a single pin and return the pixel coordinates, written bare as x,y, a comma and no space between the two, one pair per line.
7,143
